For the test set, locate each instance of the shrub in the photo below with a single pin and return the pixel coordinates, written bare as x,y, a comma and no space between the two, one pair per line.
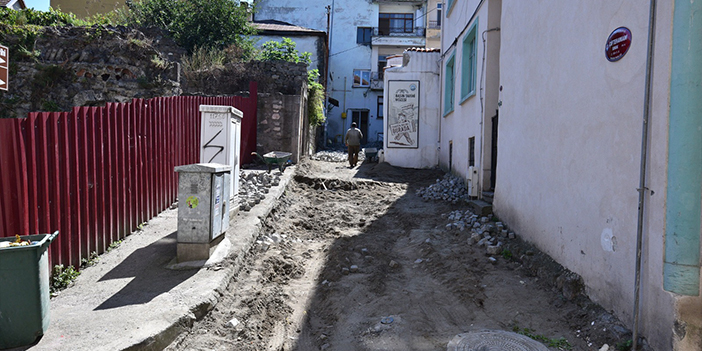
195,23
283,50
315,101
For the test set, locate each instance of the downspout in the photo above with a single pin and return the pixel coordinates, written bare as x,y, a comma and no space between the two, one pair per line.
681,267
643,190
441,76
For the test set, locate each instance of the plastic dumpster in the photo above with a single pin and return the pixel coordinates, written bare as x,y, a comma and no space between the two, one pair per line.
24,290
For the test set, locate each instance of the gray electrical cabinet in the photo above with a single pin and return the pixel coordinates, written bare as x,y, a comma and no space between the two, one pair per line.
203,208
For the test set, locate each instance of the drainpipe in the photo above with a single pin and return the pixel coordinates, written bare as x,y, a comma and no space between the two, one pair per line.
441,81
642,171
681,270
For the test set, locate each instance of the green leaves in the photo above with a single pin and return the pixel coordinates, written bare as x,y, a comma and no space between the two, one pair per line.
195,23
315,100
283,50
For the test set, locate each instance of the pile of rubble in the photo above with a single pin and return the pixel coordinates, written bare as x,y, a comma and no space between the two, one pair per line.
483,231
253,187
336,156
451,188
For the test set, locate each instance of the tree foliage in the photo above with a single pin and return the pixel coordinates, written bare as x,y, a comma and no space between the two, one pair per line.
195,23
283,50
39,18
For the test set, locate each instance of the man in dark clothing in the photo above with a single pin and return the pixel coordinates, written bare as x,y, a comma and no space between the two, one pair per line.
353,142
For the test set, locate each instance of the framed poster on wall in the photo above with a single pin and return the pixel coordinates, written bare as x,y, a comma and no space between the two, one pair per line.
403,114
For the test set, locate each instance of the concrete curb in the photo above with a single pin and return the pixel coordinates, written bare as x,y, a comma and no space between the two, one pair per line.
136,298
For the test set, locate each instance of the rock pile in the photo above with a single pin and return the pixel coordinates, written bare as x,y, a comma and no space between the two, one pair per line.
253,187
451,188
483,231
336,156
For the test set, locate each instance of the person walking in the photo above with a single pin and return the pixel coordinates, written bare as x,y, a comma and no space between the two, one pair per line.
353,142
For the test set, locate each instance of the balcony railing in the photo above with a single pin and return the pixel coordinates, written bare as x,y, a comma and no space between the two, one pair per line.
376,81
392,32
434,24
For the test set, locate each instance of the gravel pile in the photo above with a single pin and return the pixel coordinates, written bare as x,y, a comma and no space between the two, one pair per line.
253,187
451,188
336,156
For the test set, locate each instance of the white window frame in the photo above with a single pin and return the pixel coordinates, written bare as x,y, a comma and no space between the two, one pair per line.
361,73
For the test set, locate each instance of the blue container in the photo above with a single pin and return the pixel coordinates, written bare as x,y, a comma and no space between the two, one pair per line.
24,290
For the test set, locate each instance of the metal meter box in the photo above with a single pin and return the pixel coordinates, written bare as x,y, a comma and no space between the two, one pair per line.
220,138
203,208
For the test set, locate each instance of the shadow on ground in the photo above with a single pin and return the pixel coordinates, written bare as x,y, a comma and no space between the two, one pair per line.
151,278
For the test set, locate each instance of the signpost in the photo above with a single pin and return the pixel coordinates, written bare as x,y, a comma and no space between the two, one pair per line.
4,58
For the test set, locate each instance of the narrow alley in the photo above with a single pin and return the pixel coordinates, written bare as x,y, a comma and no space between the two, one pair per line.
355,259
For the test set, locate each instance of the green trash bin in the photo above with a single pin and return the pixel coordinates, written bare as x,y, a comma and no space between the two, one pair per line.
24,290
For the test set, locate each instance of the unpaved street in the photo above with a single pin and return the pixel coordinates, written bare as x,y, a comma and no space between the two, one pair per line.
354,259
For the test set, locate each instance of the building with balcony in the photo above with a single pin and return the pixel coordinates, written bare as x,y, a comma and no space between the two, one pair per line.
434,19
362,35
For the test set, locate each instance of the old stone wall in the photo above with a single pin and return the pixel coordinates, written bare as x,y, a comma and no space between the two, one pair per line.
272,76
280,121
87,66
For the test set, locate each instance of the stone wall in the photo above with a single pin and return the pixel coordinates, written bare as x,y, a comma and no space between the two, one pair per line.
280,124
88,66
272,76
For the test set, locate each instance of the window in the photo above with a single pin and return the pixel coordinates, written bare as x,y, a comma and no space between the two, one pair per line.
380,107
449,5
471,151
468,66
361,78
449,73
395,23
363,35
438,14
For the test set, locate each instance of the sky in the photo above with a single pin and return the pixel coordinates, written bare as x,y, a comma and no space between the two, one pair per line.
41,5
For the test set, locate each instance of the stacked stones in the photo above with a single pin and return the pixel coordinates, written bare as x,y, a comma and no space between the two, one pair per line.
253,187
451,188
483,231
336,156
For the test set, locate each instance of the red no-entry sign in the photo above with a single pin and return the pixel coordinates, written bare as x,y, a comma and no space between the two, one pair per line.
4,57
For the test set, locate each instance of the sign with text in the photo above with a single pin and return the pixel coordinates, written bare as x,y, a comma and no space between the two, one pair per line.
4,58
403,114
618,44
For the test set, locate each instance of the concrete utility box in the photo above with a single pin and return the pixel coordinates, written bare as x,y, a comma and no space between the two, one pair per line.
203,208
220,140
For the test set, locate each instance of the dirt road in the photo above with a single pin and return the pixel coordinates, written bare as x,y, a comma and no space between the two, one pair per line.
353,259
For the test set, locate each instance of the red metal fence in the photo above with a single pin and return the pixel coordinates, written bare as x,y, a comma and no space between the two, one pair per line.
96,173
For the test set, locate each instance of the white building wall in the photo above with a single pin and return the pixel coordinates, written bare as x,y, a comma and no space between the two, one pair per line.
424,67
471,117
569,147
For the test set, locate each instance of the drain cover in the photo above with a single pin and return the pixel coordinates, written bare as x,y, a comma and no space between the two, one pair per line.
494,340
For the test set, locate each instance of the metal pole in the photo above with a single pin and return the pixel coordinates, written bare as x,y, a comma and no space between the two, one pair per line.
642,173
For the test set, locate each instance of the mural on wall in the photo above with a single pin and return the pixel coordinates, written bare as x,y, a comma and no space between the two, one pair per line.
403,114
